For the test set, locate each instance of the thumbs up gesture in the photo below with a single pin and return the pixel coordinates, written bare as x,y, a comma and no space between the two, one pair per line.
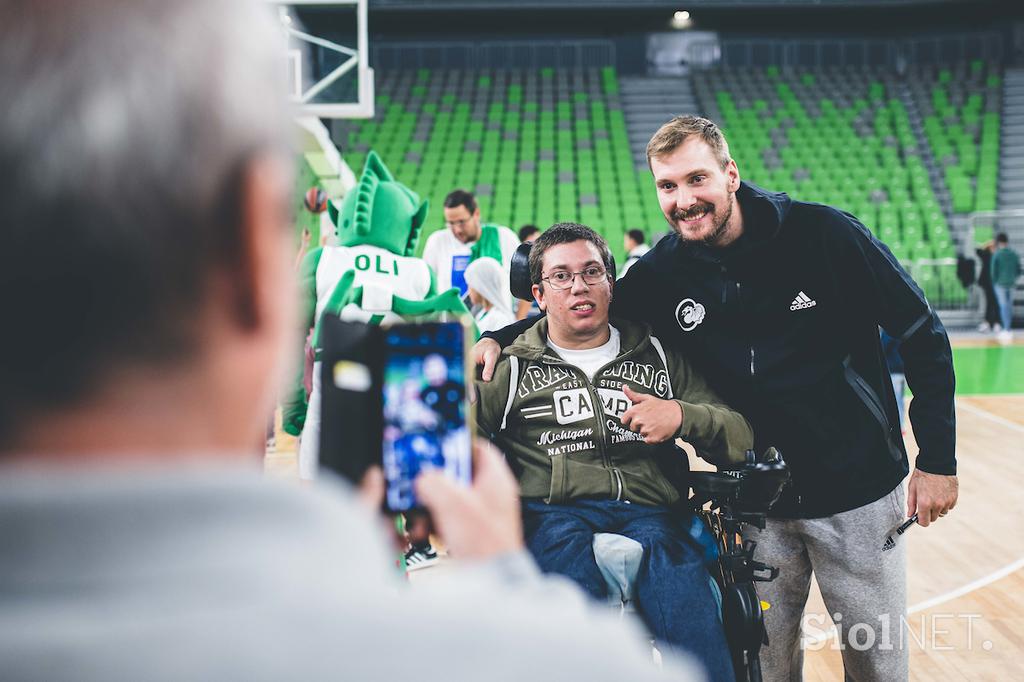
655,419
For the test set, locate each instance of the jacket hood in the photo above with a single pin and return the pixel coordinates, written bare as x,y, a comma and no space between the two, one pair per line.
764,210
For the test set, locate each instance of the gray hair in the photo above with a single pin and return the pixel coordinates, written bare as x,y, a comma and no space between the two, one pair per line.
126,130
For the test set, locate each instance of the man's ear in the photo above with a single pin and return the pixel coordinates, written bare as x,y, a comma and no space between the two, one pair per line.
733,171
263,218
538,295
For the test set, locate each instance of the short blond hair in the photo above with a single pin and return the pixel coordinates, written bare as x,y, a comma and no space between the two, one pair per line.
673,134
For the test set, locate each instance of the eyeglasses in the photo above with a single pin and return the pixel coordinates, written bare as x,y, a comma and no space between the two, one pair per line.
457,223
563,279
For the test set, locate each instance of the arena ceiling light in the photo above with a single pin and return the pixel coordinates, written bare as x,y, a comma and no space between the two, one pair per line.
681,20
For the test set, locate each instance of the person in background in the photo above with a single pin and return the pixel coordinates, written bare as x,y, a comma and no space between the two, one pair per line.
524,309
991,321
633,242
485,280
1005,272
449,252
528,233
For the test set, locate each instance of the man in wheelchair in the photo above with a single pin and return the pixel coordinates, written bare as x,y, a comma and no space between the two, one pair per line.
586,410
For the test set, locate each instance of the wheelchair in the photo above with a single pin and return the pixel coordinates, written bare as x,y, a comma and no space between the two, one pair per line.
726,500
723,501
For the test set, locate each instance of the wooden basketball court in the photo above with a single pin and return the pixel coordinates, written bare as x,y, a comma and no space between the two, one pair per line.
965,573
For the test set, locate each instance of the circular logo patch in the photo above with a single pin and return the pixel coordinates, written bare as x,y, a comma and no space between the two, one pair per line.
689,314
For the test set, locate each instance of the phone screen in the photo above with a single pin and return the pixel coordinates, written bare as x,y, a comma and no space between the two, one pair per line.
426,412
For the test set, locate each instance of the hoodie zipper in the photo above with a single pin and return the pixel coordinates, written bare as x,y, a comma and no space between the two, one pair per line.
739,301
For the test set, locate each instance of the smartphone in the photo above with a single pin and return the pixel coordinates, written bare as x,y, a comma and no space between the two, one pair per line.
351,408
395,395
427,413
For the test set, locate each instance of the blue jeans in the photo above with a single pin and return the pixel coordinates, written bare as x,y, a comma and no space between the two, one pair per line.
1004,295
672,593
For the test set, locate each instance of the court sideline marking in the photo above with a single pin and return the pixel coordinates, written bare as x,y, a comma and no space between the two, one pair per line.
985,414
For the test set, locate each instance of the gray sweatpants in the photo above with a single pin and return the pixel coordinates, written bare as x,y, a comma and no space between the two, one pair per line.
864,588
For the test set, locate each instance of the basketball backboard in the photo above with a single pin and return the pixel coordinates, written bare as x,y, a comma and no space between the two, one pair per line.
328,57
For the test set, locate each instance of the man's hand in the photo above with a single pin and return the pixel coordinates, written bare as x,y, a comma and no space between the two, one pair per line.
481,521
655,419
931,496
486,352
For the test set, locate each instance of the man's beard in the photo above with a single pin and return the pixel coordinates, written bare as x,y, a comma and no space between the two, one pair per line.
720,225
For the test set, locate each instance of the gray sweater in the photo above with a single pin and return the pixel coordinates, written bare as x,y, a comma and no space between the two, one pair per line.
220,575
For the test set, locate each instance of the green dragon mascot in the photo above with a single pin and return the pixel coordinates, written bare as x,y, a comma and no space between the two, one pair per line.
370,276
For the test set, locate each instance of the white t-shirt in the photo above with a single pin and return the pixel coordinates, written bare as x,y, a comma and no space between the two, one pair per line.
632,257
494,319
591,359
448,258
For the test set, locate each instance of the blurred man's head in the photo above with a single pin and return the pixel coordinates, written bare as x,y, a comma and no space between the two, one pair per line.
462,216
1002,240
696,180
633,239
145,212
572,273
528,233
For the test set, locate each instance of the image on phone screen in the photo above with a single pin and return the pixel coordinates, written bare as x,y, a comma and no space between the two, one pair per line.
425,408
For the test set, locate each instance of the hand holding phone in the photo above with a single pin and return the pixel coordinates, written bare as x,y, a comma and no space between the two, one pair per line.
395,397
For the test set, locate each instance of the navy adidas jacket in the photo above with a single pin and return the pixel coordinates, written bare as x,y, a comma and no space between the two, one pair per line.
784,324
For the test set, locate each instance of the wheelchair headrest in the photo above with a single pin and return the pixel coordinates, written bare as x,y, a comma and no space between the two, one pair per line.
519,272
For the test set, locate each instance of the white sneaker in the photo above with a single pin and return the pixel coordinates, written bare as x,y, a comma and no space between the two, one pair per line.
997,327
417,558
984,327
1005,338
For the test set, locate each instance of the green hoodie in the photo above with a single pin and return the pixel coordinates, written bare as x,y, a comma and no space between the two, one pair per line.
1005,267
562,433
